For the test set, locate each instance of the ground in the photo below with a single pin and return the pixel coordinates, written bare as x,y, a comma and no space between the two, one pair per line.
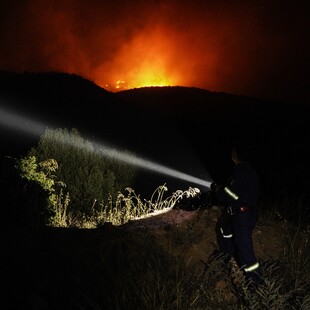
196,231
59,265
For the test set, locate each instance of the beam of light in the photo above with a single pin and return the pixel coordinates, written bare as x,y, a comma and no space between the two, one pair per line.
13,121
150,165
28,126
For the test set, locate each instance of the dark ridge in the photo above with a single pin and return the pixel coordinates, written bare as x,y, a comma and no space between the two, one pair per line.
276,132
186,128
61,100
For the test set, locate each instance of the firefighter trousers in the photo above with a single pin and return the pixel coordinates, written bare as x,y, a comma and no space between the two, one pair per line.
234,238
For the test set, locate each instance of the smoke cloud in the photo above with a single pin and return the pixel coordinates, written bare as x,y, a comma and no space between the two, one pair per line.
255,48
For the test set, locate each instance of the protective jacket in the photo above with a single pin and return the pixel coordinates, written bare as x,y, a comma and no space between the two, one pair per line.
240,197
242,188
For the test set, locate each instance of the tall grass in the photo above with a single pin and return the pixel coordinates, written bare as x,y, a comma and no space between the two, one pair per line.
124,209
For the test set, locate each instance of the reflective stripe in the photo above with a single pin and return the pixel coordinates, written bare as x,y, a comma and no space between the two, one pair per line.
225,236
252,267
230,193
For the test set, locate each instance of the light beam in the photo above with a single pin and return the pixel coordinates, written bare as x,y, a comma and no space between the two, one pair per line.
21,123
14,121
150,165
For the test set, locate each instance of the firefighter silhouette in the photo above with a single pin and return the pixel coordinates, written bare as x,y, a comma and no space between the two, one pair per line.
235,227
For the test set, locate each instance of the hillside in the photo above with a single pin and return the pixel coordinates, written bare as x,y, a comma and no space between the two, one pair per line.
144,261
188,129
276,132
102,268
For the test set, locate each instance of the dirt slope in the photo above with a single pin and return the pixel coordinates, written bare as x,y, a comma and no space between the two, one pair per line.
192,233
61,265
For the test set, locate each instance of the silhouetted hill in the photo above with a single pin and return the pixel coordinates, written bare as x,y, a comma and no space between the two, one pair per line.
189,129
278,133
53,97
67,100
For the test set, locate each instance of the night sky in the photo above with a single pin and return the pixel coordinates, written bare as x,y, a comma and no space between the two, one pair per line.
254,48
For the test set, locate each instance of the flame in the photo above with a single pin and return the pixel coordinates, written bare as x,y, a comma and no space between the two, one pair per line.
146,77
151,76
144,61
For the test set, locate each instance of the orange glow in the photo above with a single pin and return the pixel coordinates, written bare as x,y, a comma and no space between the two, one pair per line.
151,76
146,77
215,45
144,61
167,45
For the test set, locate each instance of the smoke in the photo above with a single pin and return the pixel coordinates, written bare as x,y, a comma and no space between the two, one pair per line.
231,46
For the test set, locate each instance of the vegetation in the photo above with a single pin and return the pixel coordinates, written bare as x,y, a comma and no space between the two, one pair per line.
131,269
132,207
118,268
122,268
80,165
88,175
43,174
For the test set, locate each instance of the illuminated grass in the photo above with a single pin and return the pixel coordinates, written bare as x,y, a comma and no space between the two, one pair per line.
128,207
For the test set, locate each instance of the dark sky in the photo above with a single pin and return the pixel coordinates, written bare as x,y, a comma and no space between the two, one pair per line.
255,48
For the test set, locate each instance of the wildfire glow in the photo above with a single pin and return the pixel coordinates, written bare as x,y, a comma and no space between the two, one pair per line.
149,77
144,61
216,45
152,76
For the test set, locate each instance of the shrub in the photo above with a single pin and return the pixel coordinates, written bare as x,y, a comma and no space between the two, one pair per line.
23,202
42,183
82,167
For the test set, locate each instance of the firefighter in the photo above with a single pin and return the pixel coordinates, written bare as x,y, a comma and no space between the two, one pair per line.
239,198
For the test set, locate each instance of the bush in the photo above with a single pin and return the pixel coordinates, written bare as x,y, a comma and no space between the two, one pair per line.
88,175
23,201
42,183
